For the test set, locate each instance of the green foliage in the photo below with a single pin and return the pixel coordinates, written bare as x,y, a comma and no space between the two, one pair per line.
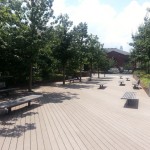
29,46
144,77
78,44
141,43
22,34
62,41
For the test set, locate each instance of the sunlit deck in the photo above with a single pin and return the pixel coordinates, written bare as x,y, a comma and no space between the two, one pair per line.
79,116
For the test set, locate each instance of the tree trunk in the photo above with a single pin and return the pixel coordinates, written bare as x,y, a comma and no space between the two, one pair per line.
91,70
148,67
30,79
98,73
63,75
80,71
104,74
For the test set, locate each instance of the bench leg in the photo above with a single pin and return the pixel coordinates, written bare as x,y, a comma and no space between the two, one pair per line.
9,110
135,86
29,103
101,86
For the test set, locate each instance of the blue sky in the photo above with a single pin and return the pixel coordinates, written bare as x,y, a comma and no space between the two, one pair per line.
113,21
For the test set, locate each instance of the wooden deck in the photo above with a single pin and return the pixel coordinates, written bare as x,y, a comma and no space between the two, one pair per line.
79,117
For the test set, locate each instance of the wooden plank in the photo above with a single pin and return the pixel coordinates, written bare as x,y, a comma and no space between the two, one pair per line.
108,121
95,120
27,128
50,131
56,132
10,131
64,137
21,137
34,137
39,130
67,131
99,137
79,137
119,124
17,132
46,126
70,131
87,135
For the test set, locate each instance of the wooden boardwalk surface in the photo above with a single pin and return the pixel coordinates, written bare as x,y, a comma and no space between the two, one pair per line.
79,116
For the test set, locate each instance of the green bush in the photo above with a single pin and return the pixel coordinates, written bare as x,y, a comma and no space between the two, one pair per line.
55,77
145,78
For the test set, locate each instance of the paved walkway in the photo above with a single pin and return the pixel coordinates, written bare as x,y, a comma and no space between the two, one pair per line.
80,116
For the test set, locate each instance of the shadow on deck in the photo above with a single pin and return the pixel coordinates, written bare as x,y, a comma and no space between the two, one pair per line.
134,103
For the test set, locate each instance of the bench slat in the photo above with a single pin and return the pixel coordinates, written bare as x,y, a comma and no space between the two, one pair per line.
10,89
18,101
102,83
74,79
129,95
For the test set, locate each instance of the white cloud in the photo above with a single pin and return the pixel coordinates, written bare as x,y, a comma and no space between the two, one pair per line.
114,29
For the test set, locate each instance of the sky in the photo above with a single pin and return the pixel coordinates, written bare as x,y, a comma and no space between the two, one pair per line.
113,21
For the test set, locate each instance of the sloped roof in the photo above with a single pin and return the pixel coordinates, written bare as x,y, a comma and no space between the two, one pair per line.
108,50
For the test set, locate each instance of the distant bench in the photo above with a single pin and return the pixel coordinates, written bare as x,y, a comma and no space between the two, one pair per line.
3,88
101,85
136,84
121,82
121,77
70,79
19,101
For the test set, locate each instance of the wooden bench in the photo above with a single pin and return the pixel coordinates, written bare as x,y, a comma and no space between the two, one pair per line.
12,103
5,90
70,79
101,85
136,84
129,96
121,82
121,77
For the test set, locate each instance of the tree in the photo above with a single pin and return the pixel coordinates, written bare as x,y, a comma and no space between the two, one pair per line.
62,41
11,27
141,43
23,27
100,58
93,47
79,42
37,14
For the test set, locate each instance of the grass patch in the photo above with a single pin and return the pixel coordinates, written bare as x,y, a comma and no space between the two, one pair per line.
145,78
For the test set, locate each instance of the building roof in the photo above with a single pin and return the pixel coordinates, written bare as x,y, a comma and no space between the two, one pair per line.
108,50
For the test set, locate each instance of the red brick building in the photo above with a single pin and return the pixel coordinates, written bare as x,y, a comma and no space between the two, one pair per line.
121,57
